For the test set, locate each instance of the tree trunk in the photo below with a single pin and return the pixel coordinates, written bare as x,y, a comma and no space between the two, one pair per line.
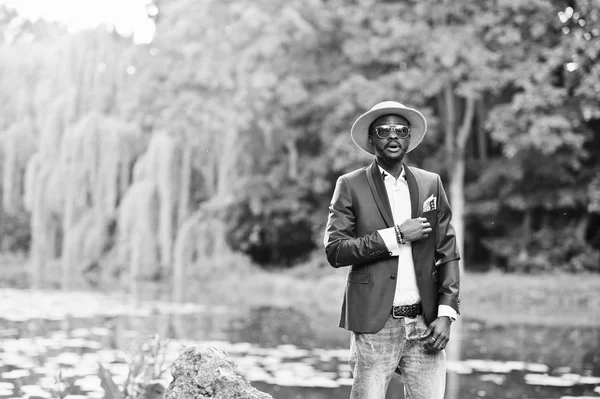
482,143
450,113
457,201
582,227
226,164
526,230
457,177
184,188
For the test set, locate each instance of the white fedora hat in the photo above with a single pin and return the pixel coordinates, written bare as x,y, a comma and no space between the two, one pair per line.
360,128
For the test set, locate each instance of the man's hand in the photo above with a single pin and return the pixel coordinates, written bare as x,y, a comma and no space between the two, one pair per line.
415,229
437,334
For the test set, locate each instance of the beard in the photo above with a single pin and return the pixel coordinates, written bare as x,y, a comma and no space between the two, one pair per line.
393,157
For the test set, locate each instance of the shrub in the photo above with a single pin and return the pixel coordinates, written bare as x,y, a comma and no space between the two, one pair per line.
279,235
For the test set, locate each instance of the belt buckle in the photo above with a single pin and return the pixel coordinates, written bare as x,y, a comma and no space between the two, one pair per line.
394,313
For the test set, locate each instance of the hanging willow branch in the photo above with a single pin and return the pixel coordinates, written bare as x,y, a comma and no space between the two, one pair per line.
138,230
17,146
163,165
91,154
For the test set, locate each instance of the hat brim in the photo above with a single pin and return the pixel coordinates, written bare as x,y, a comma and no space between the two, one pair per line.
360,128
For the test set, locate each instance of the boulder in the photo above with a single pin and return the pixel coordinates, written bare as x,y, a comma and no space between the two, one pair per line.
207,372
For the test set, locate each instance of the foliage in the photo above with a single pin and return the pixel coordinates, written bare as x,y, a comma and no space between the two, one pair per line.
111,389
62,386
273,231
243,109
545,251
146,366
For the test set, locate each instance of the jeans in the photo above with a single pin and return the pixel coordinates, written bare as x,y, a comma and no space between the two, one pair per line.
396,348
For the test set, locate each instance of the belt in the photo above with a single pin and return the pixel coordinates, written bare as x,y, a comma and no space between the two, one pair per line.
410,311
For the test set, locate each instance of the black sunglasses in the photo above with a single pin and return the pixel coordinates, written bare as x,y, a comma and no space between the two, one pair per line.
383,131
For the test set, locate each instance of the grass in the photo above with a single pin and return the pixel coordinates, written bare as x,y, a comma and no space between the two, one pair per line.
316,288
491,297
548,299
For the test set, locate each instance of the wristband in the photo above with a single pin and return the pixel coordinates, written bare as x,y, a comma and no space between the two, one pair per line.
399,235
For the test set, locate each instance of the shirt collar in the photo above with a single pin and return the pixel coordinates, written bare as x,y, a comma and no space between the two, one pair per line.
387,176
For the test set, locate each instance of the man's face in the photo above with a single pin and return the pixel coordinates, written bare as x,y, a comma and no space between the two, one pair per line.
391,148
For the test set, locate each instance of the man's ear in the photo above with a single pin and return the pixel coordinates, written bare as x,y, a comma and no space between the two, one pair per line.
370,140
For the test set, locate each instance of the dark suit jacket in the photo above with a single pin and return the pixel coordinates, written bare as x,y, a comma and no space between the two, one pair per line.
359,208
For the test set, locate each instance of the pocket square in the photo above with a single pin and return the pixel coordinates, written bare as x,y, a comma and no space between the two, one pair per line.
430,204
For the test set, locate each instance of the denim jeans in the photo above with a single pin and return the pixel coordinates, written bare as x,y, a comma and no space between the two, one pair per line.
396,348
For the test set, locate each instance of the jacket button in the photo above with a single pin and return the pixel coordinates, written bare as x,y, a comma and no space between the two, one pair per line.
390,253
393,276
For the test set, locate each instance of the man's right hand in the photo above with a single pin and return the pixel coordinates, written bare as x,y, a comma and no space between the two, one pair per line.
415,229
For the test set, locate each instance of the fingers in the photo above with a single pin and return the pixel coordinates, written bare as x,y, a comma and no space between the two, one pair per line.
440,343
426,333
416,229
437,336
425,228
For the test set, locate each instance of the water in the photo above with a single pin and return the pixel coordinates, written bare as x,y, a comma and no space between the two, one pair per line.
52,344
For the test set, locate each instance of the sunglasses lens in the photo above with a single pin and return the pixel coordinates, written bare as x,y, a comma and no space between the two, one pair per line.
402,131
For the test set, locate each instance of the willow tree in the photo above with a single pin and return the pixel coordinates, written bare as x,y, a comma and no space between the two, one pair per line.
42,196
64,78
75,177
197,114
154,213
92,154
238,81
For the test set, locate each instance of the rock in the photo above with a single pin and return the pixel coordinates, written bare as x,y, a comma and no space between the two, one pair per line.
207,372
154,390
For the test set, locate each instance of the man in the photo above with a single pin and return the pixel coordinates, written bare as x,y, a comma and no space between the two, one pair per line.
391,224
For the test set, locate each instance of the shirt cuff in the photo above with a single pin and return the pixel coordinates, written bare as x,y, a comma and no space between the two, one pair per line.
445,310
389,237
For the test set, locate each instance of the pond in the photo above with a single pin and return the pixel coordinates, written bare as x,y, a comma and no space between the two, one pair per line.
51,343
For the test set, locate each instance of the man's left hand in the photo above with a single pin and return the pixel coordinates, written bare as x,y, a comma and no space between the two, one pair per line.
438,333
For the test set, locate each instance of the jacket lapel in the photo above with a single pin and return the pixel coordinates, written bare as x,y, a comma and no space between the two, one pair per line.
418,247
413,190
379,193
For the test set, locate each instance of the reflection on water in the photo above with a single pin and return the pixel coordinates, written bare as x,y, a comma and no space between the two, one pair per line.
281,352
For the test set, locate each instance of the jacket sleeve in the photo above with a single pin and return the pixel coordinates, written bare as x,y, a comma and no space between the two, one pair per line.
446,254
342,246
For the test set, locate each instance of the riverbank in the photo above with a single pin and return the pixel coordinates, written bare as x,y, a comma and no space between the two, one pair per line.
316,289
492,297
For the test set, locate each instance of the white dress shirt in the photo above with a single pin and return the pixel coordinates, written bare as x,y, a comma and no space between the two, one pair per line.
407,291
